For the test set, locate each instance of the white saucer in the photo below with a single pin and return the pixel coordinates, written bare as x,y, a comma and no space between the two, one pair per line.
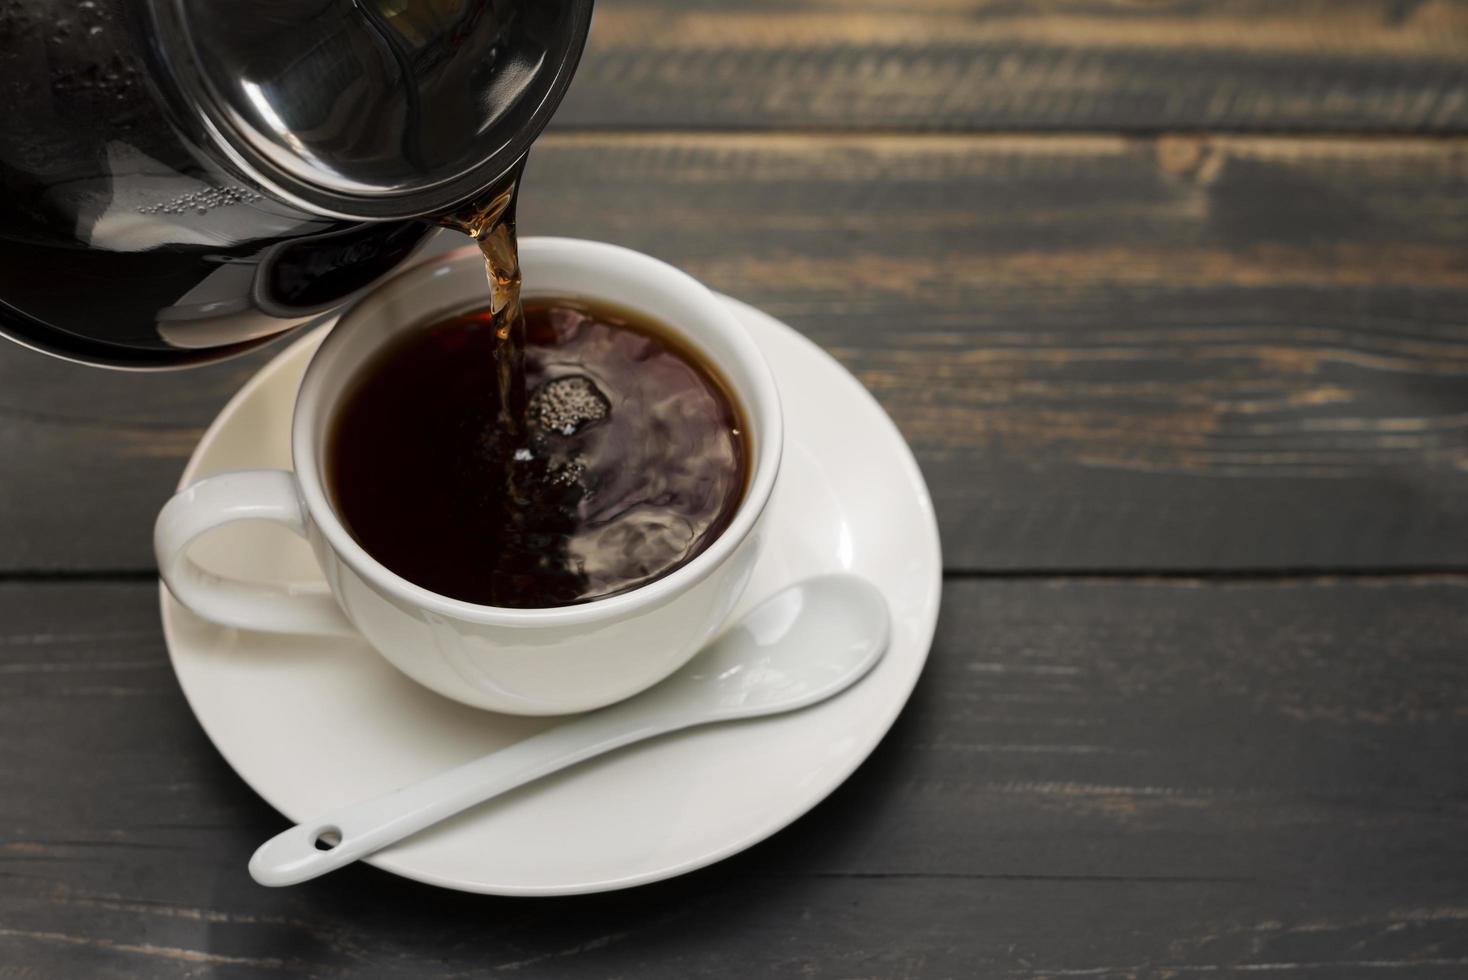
312,724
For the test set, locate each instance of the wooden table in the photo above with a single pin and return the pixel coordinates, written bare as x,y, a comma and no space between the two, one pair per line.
1171,299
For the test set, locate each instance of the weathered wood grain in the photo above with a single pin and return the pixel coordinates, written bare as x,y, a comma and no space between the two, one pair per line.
1095,778
1318,65
1186,353
1110,351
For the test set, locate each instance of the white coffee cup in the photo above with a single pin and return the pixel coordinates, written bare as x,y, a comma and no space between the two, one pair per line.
522,661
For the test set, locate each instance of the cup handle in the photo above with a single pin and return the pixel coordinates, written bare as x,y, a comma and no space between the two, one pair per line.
252,495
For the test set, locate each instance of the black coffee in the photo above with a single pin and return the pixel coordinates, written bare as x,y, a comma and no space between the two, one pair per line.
633,457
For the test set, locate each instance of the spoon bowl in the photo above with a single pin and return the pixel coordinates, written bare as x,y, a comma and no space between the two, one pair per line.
800,646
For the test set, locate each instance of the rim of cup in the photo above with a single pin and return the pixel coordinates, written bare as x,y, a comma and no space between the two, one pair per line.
756,391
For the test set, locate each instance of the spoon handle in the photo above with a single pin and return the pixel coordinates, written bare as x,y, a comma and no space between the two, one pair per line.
355,831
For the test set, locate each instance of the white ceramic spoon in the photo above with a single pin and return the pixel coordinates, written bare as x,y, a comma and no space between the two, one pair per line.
802,645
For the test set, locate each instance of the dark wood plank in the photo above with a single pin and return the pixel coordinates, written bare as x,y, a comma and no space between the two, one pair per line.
1320,65
1095,778
1108,353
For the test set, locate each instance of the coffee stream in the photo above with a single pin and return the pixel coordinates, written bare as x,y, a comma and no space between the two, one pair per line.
492,226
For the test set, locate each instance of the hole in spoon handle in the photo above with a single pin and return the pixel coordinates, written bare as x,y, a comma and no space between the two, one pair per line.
302,853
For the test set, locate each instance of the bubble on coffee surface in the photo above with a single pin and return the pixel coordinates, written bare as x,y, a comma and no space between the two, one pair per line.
567,405
568,471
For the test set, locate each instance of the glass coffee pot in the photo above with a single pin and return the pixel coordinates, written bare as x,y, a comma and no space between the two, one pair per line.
182,180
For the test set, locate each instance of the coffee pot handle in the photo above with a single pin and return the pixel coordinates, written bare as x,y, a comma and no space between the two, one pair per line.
252,495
